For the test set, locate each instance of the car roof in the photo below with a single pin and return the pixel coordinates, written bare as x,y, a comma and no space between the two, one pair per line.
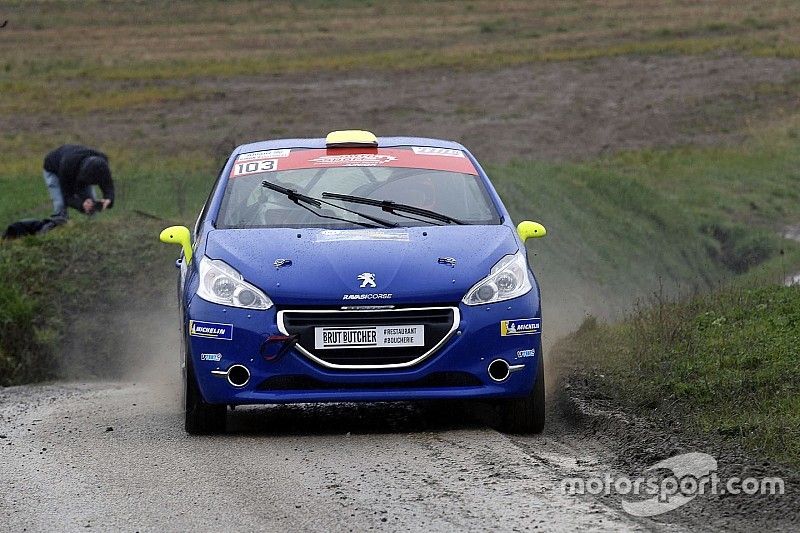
383,142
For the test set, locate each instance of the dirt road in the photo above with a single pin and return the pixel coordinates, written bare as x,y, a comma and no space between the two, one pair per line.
114,456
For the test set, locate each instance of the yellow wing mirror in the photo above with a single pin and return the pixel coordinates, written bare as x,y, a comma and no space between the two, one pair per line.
179,235
530,230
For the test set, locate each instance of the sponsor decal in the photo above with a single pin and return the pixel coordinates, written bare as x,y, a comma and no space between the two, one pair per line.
523,326
335,235
367,279
429,150
370,336
211,330
374,296
263,154
449,261
217,357
526,353
353,160
255,167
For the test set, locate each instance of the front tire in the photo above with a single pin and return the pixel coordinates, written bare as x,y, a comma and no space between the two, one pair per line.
201,418
526,415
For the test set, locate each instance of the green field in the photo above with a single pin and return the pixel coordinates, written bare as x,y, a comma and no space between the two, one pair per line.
211,38
167,89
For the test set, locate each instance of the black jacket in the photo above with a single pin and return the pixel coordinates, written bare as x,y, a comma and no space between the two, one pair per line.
69,163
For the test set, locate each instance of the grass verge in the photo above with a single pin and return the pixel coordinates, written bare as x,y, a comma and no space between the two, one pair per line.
686,219
77,273
723,364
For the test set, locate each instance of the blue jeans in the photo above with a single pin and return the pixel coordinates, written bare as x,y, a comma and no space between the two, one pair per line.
57,196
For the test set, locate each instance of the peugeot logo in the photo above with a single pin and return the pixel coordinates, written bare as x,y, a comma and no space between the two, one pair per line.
367,280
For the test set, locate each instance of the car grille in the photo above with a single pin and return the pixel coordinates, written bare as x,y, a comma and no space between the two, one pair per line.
440,323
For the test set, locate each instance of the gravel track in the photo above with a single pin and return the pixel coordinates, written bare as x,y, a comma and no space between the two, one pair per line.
113,456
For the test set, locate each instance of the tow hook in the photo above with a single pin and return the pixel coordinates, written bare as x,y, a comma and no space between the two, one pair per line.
285,342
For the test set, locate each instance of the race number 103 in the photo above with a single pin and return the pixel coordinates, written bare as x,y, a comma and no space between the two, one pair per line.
254,167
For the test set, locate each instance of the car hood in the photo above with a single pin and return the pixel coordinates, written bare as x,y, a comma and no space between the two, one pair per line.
329,267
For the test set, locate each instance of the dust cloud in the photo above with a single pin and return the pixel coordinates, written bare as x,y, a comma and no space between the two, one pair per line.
137,343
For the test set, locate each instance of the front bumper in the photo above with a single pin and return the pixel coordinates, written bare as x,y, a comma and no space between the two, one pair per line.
458,369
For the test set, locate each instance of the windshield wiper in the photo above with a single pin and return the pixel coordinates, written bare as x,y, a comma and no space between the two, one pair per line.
297,198
390,207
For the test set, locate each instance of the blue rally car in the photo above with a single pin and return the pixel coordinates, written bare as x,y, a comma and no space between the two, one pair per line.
356,268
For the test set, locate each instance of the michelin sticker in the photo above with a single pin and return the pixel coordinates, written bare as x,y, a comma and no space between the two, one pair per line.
217,357
430,150
523,326
211,330
526,353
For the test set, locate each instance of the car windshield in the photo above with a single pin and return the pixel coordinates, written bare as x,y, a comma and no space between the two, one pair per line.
248,204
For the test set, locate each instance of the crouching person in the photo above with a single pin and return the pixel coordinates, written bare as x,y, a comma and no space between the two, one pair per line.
71,172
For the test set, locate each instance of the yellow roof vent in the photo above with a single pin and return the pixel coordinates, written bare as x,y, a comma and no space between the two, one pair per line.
349,138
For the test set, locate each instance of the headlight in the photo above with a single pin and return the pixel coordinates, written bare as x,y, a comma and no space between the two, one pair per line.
508,279
221,284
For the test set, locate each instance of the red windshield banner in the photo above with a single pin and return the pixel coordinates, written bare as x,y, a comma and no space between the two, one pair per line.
424,157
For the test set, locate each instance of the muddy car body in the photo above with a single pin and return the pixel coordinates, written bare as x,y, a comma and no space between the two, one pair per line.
356,268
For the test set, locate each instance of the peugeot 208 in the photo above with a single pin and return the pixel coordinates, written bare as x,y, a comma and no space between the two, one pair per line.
356,268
